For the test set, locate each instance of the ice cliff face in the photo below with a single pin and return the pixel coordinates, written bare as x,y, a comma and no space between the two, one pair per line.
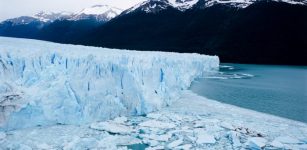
44,83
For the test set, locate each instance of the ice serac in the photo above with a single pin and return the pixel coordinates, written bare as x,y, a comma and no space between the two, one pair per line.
43,83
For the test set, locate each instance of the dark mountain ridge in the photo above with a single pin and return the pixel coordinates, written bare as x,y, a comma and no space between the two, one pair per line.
265,32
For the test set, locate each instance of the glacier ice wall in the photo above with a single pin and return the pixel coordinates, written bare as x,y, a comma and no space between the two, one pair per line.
43,83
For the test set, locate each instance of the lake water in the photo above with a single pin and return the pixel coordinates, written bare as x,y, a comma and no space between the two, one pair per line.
277,90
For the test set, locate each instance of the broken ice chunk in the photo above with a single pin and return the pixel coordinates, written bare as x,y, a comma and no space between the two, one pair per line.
256,142
277,144
157,124
111,127
287,140
203,137
43,146
151,142
199,124
2,136
191,139
184,147
163,138
154,115
235,139
175,143
120,120
19,147
155,148
227,126
121,140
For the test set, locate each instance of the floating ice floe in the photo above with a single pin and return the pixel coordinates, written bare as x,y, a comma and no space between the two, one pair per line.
78,143
256,142
227,126
2,135
235,139
277,144
120,140
111,127
157,124
161,138
175,143
288,140
199,124
151,143
155,148
120,120
43,146
19,146
154,115
203,137
184,147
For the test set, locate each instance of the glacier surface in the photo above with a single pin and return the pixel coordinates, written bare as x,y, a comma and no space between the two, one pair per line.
43,83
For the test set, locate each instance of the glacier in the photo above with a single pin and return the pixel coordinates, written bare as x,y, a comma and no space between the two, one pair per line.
76,97
44,83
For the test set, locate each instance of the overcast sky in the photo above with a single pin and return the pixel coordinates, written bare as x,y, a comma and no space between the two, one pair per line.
15,8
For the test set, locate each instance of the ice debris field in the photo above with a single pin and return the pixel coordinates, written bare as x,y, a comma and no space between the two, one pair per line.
55,96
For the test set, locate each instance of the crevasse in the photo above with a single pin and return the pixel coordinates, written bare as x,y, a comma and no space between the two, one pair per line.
43,83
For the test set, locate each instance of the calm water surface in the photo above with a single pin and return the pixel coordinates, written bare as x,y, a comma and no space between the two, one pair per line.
277,90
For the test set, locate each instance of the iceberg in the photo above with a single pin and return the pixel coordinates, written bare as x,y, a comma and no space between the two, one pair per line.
44,83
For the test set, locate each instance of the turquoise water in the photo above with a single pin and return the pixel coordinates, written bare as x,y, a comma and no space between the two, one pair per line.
277,90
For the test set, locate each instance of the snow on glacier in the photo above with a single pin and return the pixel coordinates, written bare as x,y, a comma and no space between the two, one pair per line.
43,83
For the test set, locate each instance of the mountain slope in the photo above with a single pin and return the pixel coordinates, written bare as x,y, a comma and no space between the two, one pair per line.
68,31
264,32
59,27
26,27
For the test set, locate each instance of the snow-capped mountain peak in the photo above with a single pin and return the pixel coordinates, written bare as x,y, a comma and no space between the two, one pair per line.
242,3
182,4
42,16
149,6
100,12
100,9
153,6
51,16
